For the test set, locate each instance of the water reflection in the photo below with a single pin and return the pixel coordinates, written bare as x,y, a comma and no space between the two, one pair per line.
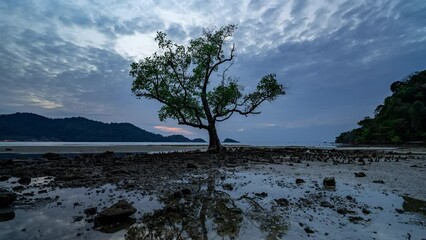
205,211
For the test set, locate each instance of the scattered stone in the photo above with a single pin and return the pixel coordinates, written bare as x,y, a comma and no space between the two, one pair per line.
366,211
4,178
398,210
308,230
177,195
355,219
360,174
345,211
42,191
191,165
228,187
329,183
282,202
7,215
326,204
116,213
24,180
6,198
18,188
379,181
78,218
186,191
90,211
299,181
262,194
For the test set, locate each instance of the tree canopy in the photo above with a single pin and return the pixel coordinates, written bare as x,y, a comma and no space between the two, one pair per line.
179,77
401,118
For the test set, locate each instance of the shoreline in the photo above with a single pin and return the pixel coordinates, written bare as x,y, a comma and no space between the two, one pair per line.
245,193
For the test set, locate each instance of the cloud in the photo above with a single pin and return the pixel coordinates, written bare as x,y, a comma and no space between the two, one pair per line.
174,130
72,57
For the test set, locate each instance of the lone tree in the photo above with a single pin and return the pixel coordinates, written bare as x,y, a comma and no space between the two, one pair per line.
179,77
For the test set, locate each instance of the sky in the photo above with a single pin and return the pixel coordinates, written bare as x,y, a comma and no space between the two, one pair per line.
337,59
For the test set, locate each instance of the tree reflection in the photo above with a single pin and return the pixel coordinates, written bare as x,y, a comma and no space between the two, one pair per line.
204,212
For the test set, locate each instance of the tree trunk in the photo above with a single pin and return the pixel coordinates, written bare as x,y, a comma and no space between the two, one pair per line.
214,142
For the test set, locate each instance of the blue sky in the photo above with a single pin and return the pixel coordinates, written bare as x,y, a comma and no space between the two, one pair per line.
336,58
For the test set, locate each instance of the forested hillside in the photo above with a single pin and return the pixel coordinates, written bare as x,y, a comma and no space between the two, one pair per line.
33,127
400,119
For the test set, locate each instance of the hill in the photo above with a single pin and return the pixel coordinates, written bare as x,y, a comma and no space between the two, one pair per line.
401,118
229,140
33,127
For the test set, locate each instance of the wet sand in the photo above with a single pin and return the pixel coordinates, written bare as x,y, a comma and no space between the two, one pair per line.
245,194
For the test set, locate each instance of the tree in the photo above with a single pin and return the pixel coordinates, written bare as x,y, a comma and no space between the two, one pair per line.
179,77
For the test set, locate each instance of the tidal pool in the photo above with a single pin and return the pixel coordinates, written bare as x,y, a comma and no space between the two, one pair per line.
231,204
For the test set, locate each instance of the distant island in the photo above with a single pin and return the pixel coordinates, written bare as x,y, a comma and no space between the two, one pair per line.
33,127
401,118
229,140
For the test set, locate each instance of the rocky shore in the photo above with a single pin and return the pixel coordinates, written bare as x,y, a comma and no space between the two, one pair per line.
264,192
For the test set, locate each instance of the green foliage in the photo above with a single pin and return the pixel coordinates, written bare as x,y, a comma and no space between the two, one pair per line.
180,76
402,117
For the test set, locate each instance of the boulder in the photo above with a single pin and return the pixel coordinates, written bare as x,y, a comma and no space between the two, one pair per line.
4,178
118,212
6,198
299,181
360,174
90,211
24,180
329,183
6,215
282,202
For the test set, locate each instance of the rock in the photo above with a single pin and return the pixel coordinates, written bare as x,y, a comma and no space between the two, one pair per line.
177,195
262,194
360,174
355,219
299,181
329,183
6,198
24,180
4,178
282,202
90,211
186,191
308,230
228,186
326,204
7,215
379,181
345,211
366,211
116,213
191,165
398,210
18,188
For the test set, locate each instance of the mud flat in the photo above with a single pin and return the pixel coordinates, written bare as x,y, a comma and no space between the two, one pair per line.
246,193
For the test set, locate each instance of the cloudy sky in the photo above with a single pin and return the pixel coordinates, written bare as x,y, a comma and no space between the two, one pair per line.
337,59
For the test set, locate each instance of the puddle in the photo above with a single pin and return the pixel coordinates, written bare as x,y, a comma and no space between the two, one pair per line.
221,205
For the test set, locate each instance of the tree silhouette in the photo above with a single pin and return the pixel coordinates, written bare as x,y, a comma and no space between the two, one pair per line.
180,76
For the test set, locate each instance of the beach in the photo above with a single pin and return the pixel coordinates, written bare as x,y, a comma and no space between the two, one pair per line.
245,193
